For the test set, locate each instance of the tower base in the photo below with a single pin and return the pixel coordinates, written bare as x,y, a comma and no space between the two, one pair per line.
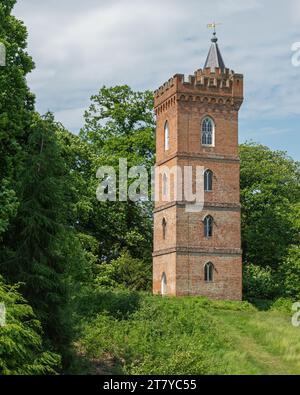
182,274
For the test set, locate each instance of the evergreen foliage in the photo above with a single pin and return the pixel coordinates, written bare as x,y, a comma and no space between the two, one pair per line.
21,343
33,235
16,106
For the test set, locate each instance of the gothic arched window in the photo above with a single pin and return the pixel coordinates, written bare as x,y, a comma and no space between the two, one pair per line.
208,180
163,289
164,228
207,131
208,272
167,136
165,186
208,226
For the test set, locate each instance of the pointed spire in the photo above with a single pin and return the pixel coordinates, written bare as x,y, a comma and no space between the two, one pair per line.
214,58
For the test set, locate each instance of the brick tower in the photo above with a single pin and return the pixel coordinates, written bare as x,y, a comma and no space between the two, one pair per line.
199,253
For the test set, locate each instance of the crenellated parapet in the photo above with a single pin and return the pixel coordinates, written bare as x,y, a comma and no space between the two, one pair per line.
223,87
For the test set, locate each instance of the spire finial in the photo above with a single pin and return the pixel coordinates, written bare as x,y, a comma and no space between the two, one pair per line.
213,25
214,57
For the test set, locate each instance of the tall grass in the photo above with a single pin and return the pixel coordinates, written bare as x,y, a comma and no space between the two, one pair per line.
134,333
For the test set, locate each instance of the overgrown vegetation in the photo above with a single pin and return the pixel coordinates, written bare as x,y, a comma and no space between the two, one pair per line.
125,272
187,336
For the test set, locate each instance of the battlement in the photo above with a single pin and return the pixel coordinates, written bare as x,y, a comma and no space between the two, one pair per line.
166,86
215,82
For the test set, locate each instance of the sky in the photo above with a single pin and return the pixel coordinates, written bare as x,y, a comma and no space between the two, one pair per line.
79,46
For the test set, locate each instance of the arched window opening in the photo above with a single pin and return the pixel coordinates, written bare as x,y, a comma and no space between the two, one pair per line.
164,228
207,130
208,226
165,185
209,272
167,136
208,180
163,284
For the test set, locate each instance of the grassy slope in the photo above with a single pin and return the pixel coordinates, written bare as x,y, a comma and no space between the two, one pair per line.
152,335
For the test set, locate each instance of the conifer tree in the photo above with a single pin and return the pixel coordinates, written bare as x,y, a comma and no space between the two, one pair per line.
21,343
38,231
16,107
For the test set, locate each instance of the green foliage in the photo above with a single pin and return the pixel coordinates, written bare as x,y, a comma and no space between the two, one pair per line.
37,226
189,335
259,282
22,337
126,272
44,253
21,345
16,106
92,301
78,158
282,304
289,273
270,195
148,342
8,204
270,191
119,124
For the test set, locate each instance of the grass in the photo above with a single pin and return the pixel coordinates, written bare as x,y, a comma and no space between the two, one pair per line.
183,336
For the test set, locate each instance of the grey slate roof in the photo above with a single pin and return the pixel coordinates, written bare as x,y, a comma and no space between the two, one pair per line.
214,57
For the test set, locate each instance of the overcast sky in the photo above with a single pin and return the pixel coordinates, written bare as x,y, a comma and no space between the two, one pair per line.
78,46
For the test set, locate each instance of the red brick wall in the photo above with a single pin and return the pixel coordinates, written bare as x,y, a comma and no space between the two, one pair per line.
227,282
165,264
184,252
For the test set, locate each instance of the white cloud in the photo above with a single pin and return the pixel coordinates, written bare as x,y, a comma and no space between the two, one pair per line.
79,46
71,117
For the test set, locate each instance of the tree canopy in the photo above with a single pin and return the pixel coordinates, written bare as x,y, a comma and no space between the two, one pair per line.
270,195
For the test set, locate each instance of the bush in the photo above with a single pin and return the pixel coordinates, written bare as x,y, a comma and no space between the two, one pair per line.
289,273
283,305
125,272
93,301
259,282
163,336
21,348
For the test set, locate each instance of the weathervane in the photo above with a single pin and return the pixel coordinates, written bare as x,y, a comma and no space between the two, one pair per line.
213,26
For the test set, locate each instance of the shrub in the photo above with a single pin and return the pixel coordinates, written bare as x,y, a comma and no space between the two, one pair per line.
289,273
283,305
259,282
92,301
125,272
158,338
